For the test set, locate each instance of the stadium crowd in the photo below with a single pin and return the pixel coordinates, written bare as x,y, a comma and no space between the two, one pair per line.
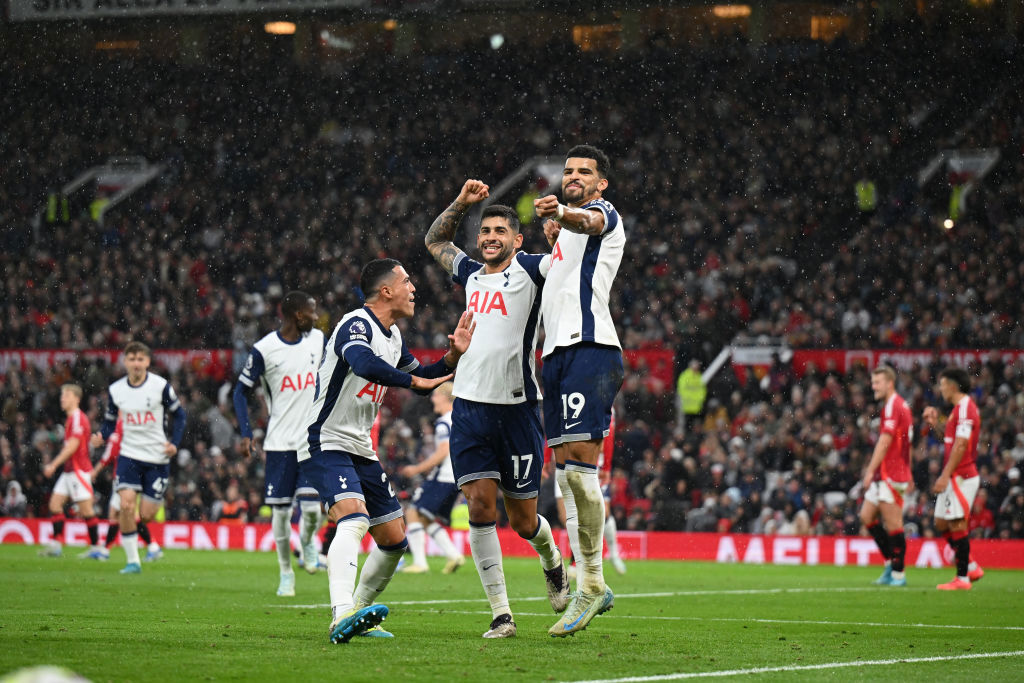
736,179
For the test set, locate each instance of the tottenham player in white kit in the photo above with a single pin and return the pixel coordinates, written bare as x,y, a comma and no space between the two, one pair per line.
142,399
284,363
582,359
497,438
364,356
434,498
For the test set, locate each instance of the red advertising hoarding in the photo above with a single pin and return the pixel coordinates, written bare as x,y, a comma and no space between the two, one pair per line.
633,545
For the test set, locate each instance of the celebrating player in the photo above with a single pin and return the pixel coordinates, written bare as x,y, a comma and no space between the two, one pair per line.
435,496
497,438
582,359
364,356
958,483
74,483
887,477
284,362
142,399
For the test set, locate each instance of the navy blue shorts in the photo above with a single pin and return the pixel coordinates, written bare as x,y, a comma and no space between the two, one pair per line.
342,475
285,479
580,383
145,477
503,442
435,499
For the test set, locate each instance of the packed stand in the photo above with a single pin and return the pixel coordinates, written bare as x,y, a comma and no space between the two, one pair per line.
735,178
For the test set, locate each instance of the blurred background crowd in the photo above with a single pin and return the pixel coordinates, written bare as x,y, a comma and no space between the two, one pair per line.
770,192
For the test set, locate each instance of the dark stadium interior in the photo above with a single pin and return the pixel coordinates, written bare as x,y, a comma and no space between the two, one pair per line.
735,161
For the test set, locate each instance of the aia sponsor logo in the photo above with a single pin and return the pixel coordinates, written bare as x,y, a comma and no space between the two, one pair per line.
373,391
487,303
139,417
298,382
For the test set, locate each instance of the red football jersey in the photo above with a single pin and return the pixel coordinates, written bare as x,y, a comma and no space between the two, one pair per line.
897,422
964,422
113,448
77,426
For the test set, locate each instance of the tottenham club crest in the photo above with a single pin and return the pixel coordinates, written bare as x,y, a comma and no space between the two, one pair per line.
344,482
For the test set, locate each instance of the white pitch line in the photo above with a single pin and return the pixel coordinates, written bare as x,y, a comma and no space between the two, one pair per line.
807,667
768,621
666,594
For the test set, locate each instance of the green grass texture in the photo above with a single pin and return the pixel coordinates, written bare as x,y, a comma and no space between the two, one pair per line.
214,616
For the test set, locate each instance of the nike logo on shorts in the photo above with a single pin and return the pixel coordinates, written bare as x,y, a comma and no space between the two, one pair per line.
573,424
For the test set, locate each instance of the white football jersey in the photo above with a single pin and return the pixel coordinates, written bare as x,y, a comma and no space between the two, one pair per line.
142,409
500,365
574,307
346,405
442,433
287,373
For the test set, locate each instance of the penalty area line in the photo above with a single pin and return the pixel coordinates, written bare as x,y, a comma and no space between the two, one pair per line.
805,667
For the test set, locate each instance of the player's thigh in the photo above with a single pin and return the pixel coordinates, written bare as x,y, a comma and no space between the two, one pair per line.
472,444
80,485
482,500
281,475
522,515
382,505
955,502
580,388
57,501
154,483
434,500
338,482
389,534
520,444
892,516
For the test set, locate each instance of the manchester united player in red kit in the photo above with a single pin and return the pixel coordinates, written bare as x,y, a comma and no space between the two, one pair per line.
958,483
75,481
887,477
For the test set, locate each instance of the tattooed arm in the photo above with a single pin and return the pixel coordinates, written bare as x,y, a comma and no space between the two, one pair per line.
442,230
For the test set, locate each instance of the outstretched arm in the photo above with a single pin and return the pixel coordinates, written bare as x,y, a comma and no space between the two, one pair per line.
442,230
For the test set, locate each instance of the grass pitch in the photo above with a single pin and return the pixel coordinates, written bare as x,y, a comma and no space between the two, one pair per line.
214,616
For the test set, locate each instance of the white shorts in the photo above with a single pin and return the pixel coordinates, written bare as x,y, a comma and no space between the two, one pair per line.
115,501
956,501
606,491
886,491
74,485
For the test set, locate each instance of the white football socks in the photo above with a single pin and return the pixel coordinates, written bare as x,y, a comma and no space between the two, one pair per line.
281,527
586,492
130,543
343,562
611,536
377,571
312,518
544,543
572,527
417,543
443,540
483,541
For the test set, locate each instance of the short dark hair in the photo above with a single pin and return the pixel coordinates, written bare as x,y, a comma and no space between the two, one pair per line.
958,376
502,211
374,273
591,152
293,302
137,347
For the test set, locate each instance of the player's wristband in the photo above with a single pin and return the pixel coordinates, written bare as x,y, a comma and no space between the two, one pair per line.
559,212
